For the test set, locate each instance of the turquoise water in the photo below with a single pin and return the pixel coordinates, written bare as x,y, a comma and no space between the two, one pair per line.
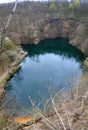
53,64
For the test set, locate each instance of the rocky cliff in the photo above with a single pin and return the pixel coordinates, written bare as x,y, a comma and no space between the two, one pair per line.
44,29
59,28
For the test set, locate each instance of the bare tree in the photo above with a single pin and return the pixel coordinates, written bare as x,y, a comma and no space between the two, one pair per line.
4,30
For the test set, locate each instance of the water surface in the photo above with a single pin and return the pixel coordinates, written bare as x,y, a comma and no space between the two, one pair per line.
51,64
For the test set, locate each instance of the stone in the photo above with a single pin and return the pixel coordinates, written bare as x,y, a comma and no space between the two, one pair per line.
24,120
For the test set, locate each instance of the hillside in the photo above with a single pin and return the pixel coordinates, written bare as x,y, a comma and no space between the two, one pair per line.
35,21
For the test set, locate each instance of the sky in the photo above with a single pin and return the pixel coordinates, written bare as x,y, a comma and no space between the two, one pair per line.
6,1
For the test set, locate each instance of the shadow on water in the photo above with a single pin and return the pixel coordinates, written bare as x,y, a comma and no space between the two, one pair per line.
60,47
53,63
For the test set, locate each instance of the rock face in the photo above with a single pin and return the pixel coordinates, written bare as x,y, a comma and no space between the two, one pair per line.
79,36
52,28
58,28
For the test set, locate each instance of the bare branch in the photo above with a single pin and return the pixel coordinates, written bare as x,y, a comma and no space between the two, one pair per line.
59,116
4,31
46,121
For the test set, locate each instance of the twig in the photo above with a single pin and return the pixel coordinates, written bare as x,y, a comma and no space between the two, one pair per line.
47,122
58,114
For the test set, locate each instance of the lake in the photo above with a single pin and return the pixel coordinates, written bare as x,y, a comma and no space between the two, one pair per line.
53,65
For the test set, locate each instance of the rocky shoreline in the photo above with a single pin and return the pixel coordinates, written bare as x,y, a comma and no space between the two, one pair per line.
13,68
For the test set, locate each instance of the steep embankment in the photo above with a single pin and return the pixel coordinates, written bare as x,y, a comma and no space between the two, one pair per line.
59,28
9,69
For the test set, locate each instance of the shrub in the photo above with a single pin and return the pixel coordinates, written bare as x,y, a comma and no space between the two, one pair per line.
71,6
77,3
9,45
13,55
52,5
86,62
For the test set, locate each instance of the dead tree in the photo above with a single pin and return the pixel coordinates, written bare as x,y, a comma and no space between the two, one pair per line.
4,30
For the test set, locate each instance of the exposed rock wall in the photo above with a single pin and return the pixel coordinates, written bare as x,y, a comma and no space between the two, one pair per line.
59,28
52,28
79,37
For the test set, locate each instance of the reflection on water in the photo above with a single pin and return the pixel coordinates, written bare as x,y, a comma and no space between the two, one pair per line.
52,63
59,47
